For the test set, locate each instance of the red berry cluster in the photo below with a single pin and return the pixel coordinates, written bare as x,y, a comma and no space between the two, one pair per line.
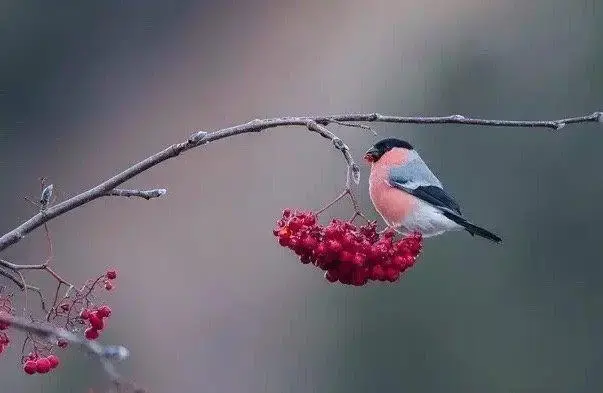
349,254
96,319
110,276
40,364
40,360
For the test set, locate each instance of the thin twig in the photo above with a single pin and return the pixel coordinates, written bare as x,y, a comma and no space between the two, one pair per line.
49,243
41,266
23,286
53,307
349,193
17,269
353,125
39,292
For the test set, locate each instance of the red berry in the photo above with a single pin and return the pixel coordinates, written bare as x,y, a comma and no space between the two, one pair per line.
345,279
347,239
359,260
399,261
331,275
42,365
310,220
388,234
85,313
103,311
324,262
378,273
54,361
284,241
305,259
295,224
359,278
321,249
409,261
392,274
331,232
334,246
62,343
284,232
309,243
345,269
346,256
415,246
111,274
91,333
30,367
96,321
108,286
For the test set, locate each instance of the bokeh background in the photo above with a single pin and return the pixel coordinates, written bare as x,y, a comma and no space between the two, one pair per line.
206,300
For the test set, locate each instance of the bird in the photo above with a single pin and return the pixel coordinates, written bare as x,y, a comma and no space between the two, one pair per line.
409,197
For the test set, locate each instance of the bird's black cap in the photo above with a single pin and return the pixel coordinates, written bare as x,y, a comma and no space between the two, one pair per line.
383,146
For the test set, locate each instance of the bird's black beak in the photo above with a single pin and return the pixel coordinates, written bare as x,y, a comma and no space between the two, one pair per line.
371,155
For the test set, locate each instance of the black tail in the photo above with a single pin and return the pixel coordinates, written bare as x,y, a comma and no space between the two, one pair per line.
472,228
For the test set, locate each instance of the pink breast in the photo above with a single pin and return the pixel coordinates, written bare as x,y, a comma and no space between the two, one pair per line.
392,204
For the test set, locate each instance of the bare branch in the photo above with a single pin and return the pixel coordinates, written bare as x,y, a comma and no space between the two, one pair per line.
106,354
315,124
460,119
146,194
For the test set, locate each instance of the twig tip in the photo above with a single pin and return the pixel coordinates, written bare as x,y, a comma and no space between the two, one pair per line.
355,173
46,195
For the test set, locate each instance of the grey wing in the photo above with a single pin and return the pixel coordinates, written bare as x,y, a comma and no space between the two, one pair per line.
415,178
414,173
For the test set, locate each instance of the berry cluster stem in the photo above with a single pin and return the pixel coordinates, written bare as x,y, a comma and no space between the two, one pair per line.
347,191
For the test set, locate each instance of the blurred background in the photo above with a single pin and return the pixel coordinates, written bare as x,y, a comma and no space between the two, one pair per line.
206,301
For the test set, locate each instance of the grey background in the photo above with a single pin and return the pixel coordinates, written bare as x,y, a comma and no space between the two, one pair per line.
205,300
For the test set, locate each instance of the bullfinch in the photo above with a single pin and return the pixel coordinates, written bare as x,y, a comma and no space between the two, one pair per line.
409,197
